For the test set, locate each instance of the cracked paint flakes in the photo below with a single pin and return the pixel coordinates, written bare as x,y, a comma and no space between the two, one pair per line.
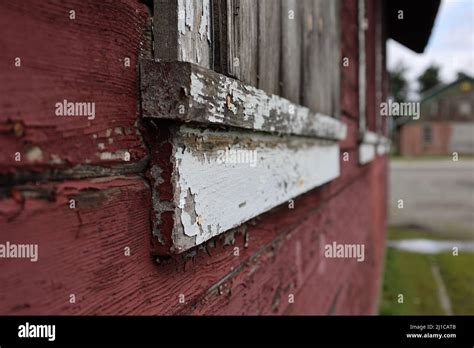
182,16
205,26
264,112
284,169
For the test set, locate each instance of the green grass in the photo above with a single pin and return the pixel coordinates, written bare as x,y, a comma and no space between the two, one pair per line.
458,276
410,274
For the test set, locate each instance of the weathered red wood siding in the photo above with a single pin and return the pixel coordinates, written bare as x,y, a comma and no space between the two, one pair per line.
370,64
81,59
82,250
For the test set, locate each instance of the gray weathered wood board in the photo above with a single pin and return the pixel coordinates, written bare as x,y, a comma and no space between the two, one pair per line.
284,47
292,17
321,56
236,29
190,93
269,38
182,31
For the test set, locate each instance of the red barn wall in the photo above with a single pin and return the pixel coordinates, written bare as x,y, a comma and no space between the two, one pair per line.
81,251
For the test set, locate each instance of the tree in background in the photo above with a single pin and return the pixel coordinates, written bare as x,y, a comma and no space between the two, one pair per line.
398,83
429,79
461,75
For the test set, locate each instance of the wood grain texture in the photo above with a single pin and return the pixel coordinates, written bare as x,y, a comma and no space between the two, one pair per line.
80,60
236,26
210,163
291,68
269,39
321,56
82,250
165,30
187,92
83,254
296,259
350,59
182,31
319,271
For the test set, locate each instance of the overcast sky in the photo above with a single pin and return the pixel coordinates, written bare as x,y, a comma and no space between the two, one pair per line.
451,44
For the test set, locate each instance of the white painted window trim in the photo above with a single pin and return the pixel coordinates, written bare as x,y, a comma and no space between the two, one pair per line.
371,143
297,150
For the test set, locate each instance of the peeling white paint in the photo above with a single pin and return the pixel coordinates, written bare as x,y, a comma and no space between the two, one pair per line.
285,168
366,153
189,5
205,25
250,103
181,17
197,88
371,145
112,156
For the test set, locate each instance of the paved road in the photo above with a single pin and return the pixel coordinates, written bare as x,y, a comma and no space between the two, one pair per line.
437,194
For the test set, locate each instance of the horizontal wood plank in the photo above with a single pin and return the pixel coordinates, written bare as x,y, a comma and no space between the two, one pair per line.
187,92
46,58
250,173
83,253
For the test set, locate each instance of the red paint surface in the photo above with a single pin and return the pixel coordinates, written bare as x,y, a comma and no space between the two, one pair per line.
370,65
81,251
78,60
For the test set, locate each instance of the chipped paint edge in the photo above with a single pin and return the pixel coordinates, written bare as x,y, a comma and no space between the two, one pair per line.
210,98
372,144
209,218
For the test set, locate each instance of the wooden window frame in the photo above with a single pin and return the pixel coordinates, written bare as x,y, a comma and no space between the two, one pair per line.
370,143
194,199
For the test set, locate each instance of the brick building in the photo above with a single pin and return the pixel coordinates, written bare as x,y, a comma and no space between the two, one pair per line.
117,123
446,124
